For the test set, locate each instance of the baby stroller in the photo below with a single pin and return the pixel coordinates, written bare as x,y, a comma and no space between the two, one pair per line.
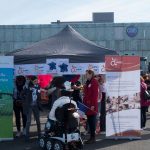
62,127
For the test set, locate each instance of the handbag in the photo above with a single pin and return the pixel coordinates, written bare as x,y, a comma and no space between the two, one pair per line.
147,95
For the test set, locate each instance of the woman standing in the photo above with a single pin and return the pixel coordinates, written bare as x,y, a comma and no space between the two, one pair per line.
90,99
144,104
18,104
103,103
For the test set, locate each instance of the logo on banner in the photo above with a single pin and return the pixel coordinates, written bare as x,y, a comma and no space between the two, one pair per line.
73,69
93,67
63,67
114,62
90,66
103,68
52,66
21,71
76,69
39,69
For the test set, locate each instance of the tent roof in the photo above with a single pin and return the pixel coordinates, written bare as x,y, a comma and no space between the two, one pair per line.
66,44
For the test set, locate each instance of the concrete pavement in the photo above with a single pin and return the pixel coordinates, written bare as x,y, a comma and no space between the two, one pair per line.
101,142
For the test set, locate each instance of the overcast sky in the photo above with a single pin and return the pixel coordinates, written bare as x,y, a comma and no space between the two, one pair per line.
47,11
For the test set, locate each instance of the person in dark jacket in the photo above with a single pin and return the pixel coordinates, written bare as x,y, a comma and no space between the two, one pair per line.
32,104
76,94
90,99
54,90
18,104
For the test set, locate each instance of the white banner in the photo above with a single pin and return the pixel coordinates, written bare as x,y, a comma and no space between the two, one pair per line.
58,66
79,68
62,66
123,96
31,69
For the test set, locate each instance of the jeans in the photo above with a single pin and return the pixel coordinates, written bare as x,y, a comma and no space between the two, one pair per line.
143,116
18,114
36,114
92,124
103,113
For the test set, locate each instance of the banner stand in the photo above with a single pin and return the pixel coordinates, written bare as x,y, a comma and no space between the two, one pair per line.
123,117
6,139
6,101
123,138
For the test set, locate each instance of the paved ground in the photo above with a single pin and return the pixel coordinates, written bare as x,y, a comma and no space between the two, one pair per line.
101,143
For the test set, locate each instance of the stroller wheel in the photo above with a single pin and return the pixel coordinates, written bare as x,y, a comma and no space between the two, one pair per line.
58,145
42,142
49,144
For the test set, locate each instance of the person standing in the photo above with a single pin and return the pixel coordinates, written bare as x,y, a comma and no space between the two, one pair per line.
55,89
90,99
32,104
144,103
103,103
18,104
76,94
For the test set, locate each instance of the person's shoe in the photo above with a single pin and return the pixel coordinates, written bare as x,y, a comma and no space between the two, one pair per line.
18,134
144,128
90,141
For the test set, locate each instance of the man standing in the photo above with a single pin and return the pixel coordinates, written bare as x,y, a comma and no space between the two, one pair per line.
32,104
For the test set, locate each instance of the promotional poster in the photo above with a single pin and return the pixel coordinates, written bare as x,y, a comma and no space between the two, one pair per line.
123,96
6,102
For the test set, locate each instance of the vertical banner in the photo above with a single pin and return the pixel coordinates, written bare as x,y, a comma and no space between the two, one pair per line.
123,97
6,102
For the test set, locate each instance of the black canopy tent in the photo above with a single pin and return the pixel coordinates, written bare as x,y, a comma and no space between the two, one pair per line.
68,43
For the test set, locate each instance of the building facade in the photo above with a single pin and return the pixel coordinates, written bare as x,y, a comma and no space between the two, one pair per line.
125,38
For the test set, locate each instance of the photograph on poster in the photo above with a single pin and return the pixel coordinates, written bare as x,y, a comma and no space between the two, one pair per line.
125,102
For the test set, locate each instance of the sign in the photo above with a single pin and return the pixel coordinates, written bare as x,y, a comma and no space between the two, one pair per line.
6,102
132,31
51,65
31,69
58,66
80,68
123,96
62,66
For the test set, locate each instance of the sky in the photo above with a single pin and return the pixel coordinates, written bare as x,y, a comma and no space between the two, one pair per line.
46,11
